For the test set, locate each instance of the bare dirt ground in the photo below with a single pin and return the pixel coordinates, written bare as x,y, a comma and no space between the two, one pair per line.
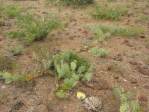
127,64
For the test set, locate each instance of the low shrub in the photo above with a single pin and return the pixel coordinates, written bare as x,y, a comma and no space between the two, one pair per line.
31,28
109,12
99,52
103,32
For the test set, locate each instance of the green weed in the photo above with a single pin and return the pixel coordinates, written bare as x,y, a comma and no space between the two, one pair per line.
16,50
32,28
43,60
127,104
99,52
9,78
143,18
71,68
99,34
121,30
10,11
103,32
109,12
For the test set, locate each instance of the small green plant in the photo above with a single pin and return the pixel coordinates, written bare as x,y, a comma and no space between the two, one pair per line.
103,32
10,11
99,34
143,18
126,103
99,52
42,58
9,78
109,12
16,50
32,28
121,30
71,68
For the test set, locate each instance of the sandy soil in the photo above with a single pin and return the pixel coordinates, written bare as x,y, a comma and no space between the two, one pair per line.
127,64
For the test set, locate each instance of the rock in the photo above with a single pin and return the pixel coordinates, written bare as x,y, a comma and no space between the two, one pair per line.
83,49
99,84
132,62
142,98
144,69
41,108
93,104
1,39
146,86
142,36
17,106
2,23
116,76
141,67
128,43
133,81
118,57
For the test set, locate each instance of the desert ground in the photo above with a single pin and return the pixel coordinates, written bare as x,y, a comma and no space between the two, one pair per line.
112,35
